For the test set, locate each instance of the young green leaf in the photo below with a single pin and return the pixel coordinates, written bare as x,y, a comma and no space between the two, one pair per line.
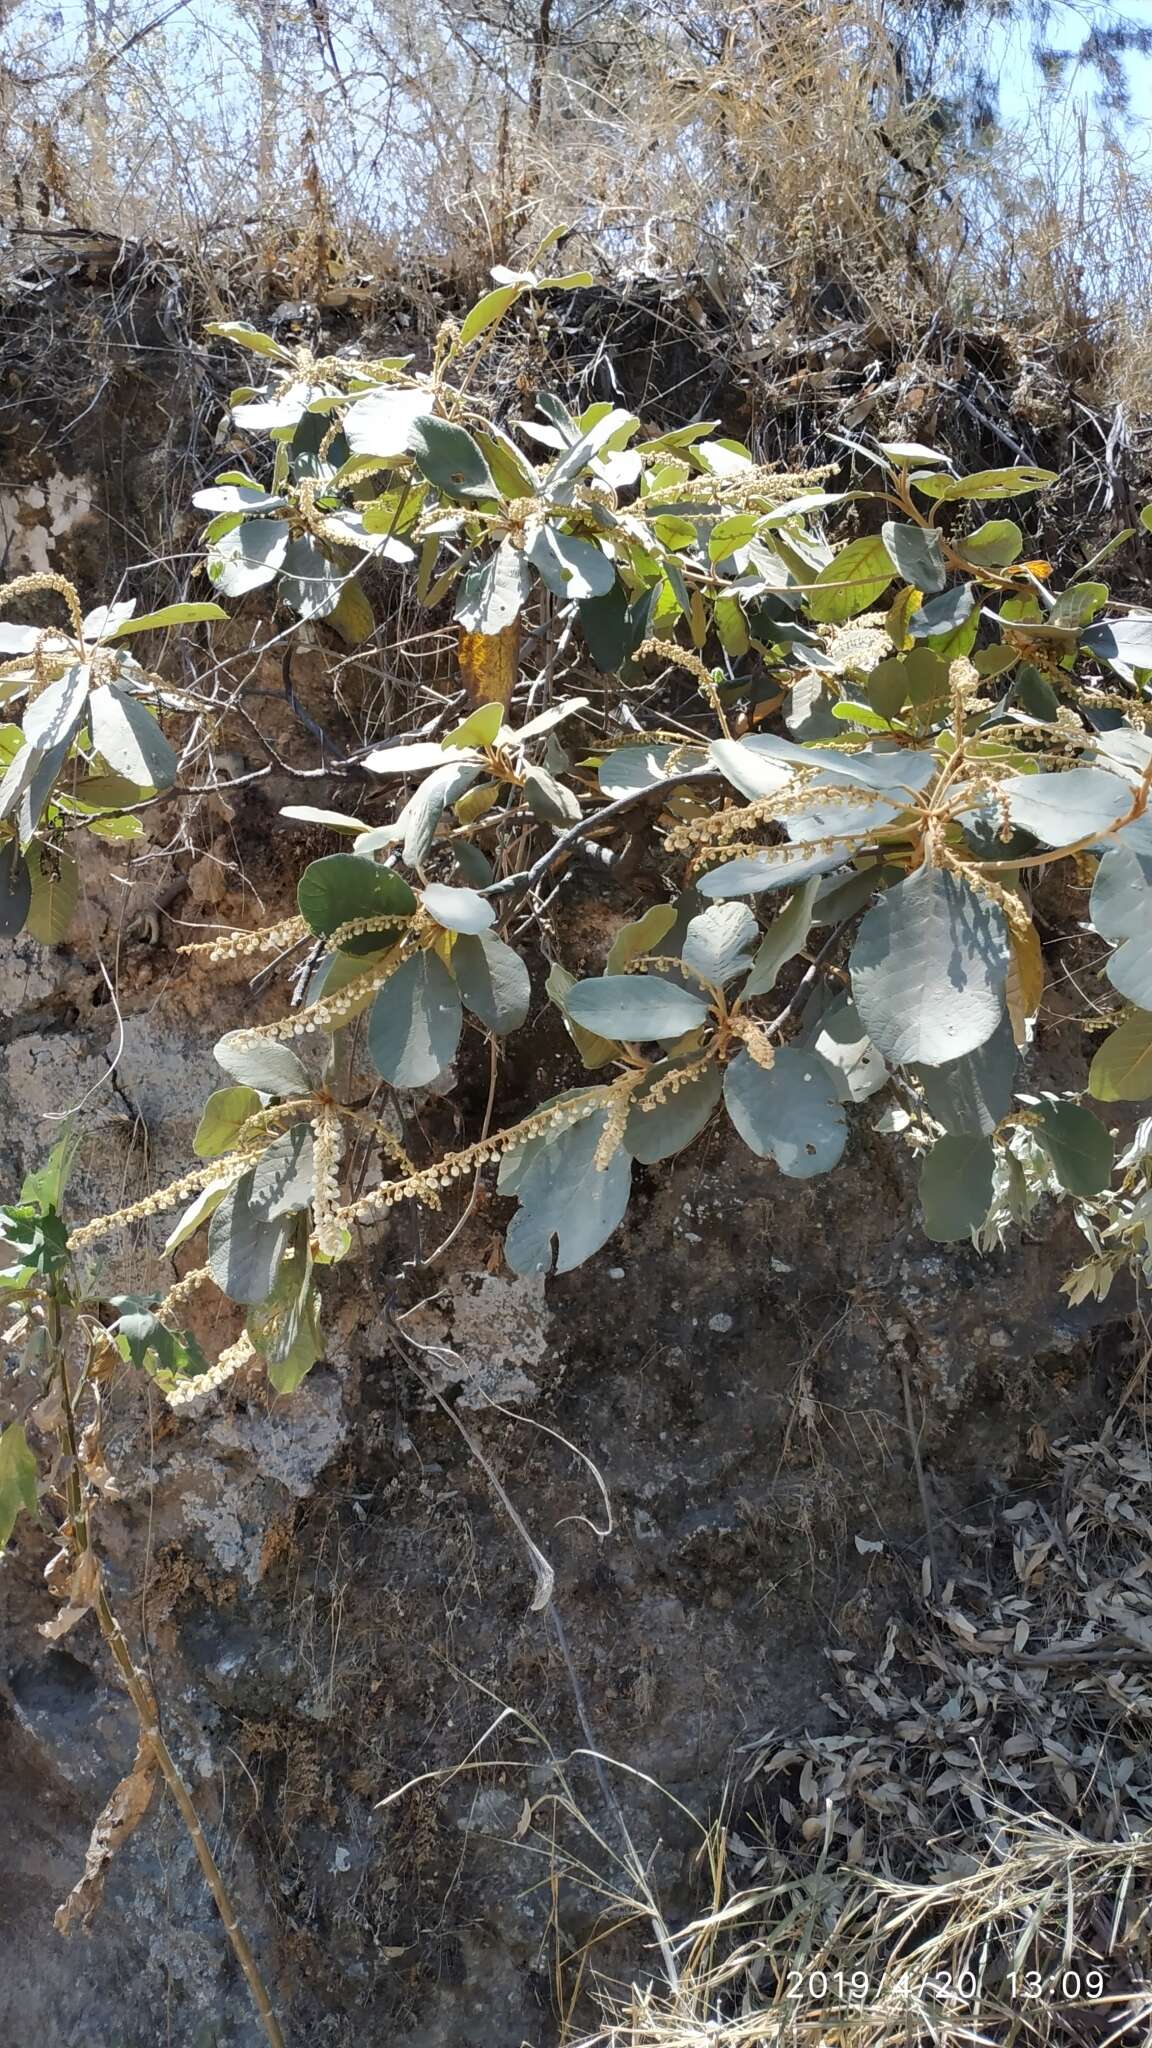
1122,1069
17,1479
852,581
225,1111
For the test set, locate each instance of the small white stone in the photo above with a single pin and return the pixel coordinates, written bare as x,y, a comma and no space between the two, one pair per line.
342,1860
615,1272
721,1323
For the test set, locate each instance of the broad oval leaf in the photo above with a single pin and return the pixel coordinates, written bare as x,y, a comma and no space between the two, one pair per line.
244,1245
1122,1069
458,910
749,768
344,886
628,769
778,867
493,981
928,969
449,458
852,581
790,1112
283,1179
844,1043
414,1027
491,597
633,1007
262,1063
970,1095
408,757
248,556
422,813
1125,640
310,584
125,733
225,1111
718,942
1121,910
571,567
380,423
677,1119
53,718
565,1196
1059,808
916,552
1077,1143
956,1186
550,800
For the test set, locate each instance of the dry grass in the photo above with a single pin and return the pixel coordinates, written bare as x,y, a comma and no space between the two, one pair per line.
967,1859
775,151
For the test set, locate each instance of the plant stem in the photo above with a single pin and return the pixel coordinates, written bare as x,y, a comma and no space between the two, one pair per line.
140,1691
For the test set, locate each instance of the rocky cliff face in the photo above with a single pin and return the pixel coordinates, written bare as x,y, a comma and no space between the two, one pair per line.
710,1433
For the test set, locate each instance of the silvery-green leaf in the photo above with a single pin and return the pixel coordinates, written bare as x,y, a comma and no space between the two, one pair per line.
778,867
628,769
283,1178
550,801
491,597
125,733
36,779
17,776
970,1095
236,498
493,981
1121,910
424,808
790,1112
916,553
718,942
414,1026
672,1123
633,1007
411,757
380,423
844,1043
571,567
262,1063
244,1245
450,459
749,768
102,622
458,910
1060,808
309,583
783,940
53,718
248,556
1122,640
956,1186
558,483
928,969
564,1195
